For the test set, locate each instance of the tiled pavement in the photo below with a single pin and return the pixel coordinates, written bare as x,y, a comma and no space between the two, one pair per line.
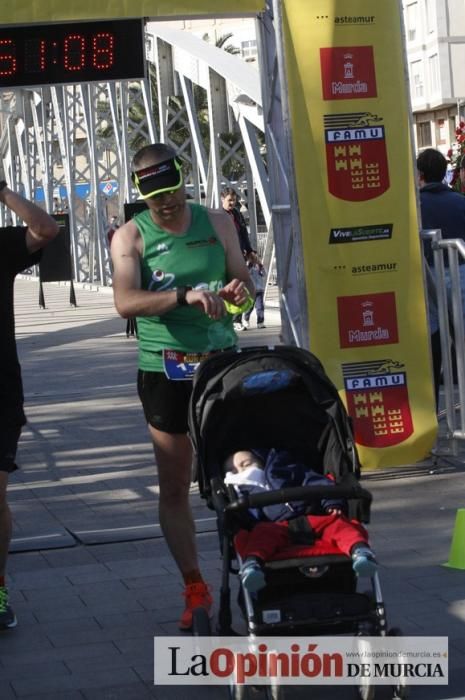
91,579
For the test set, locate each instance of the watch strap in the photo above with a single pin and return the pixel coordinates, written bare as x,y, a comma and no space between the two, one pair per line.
181,295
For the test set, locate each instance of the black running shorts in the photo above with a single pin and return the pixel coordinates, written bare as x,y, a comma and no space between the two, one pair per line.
165,401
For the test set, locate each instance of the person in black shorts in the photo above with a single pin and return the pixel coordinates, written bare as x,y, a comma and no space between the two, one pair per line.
20,248
176,265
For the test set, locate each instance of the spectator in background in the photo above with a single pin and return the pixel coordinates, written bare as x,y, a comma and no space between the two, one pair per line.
258,275
441,208
229,203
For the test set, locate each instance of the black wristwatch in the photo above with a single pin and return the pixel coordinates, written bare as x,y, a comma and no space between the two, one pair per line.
3,184
181,295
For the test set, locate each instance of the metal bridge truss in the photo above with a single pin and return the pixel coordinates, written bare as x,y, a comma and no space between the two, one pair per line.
208,104
63,145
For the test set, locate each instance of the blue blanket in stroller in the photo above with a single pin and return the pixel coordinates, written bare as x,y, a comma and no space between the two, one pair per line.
284,469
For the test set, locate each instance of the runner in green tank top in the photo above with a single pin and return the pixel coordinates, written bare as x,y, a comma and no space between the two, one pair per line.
167,264
175,265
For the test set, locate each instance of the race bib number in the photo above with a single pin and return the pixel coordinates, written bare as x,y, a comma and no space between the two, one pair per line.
181,365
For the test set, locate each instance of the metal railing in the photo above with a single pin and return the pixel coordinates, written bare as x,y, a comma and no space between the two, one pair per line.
445,293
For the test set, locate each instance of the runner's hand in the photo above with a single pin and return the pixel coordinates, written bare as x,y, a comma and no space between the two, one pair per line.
235,292
209,302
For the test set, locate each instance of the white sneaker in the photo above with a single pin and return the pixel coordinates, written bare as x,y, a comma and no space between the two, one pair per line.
261,325
245,325
237,326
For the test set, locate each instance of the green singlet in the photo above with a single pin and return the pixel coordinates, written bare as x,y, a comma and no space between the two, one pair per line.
195,258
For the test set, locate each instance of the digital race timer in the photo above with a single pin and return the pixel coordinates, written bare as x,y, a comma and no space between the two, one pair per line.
71,53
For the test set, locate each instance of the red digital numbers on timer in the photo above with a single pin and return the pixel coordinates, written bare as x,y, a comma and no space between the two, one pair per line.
79,52
102,51
74,52
8,63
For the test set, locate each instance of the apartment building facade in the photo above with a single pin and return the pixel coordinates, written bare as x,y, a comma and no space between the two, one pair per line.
435,42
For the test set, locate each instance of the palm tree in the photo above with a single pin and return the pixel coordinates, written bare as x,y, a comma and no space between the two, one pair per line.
220,43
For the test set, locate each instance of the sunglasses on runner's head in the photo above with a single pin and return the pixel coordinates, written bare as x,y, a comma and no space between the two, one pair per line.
159,178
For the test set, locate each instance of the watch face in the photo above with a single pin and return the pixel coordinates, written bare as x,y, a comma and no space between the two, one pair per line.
71,53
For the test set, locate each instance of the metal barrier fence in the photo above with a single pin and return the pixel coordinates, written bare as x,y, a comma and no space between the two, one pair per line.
445,292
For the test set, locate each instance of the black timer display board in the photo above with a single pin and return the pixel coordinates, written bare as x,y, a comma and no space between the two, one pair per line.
131,209
55,263
78,52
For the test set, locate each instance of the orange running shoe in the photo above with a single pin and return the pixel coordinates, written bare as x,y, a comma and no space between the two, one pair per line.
197,595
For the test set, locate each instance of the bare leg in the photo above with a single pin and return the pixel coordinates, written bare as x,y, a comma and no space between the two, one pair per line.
5,523
173,454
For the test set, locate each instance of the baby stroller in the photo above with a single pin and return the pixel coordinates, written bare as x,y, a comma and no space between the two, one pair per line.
281,397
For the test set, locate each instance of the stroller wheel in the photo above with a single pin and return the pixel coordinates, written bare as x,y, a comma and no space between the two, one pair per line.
400,691
238,692
201,625
366,692
274,692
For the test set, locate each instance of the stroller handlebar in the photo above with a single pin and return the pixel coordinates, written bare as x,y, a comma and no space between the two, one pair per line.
307,494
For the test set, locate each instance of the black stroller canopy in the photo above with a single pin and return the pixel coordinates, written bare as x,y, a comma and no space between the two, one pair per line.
268,397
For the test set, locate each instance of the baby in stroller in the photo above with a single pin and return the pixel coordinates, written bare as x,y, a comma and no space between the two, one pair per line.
278,526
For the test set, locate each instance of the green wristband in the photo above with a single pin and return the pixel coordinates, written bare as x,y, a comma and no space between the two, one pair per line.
233,309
